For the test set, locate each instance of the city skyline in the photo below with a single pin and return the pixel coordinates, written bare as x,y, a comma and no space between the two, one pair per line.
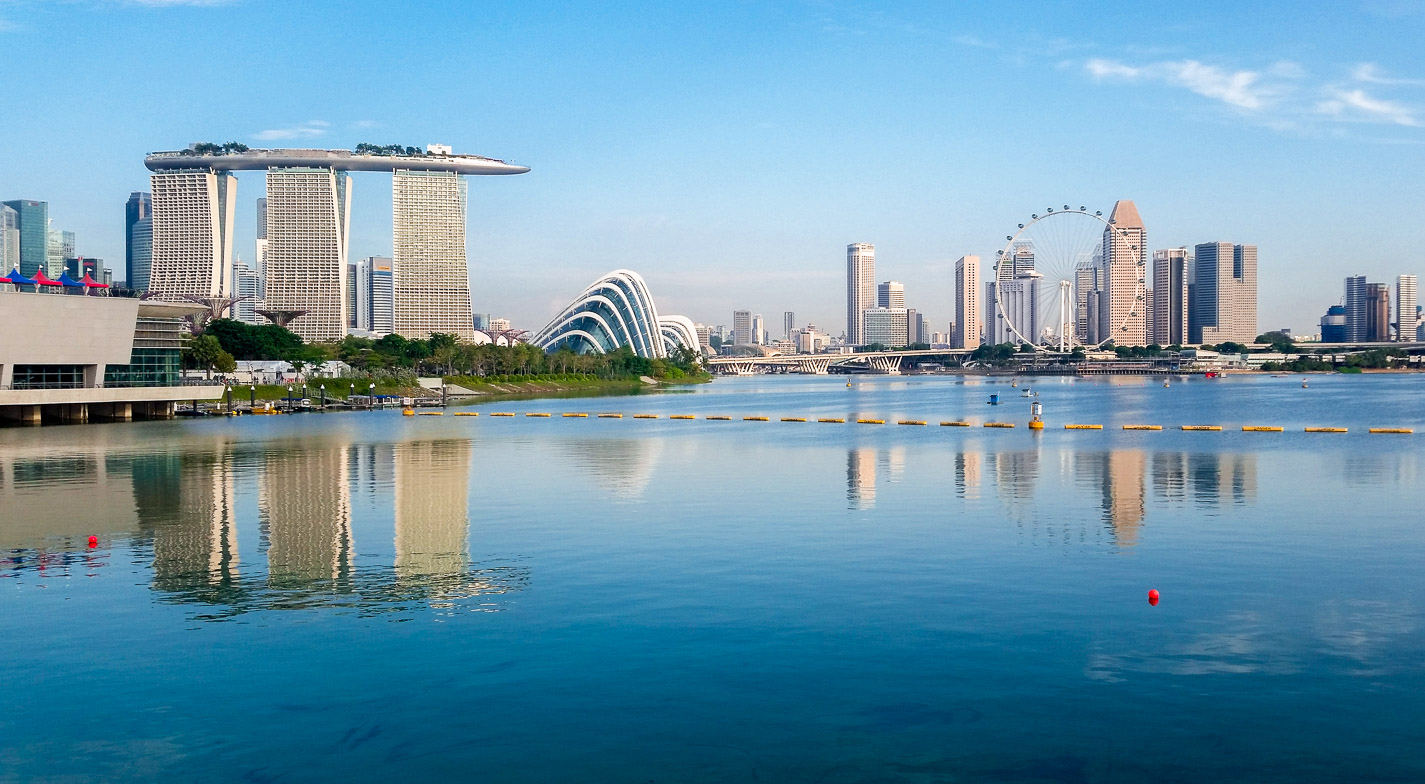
1239,109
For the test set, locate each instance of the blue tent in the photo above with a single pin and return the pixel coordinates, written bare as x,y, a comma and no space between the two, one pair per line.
16,278
70,282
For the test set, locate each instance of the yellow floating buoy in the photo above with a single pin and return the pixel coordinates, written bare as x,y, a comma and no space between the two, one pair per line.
721,418
911,422
999,424
1143,427
1202,427
956,423
645,416
408,412
682,416
1402,430
502,413
467,413
610,416
543,416
1260,429
870,421
794,419
575,415
1325,429
432,413
832,420
1083,427
754,419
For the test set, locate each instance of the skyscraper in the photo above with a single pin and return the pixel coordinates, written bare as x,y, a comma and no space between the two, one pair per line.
789,323
1170,281
358,295
138,240
381,294
1377,313
1124,258
1086,289
260,249
1355,308
1224,293
1017,304
885,326
742,327
1333,325
192,236
428,254
9,239
759,330
245,284
308,225
967,303
1405,290
890,294
32,223
860,288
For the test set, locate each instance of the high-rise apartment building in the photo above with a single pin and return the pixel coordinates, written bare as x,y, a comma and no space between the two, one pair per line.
1224,293
428,254
789,324
742,327
759,330
966,332
1087,285
33,226
886,326
260,246
138,240
246,284
308,226
1356,309
1124,265
192,237
9,239
890,294
1170,302
381,296
1377,313
1405,291
860,288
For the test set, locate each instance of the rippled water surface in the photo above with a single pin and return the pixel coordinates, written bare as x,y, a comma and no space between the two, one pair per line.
371,597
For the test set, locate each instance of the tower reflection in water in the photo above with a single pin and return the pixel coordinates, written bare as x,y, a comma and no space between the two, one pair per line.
182,507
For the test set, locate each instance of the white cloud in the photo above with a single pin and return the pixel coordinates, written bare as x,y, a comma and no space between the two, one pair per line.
1371,74
1242,89
1356,104
307,130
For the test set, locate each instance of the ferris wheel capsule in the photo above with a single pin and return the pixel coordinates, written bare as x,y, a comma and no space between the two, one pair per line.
1066,206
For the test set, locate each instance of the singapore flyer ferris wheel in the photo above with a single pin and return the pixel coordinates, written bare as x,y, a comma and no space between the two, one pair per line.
1054,284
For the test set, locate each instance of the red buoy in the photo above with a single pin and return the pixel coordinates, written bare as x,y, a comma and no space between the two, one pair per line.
93,541
1153,597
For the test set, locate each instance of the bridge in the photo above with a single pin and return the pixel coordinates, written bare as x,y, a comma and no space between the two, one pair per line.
883,362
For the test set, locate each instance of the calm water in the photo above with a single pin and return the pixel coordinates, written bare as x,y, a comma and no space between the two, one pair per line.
371,597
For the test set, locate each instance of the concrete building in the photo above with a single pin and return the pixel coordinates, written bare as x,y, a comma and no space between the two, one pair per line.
381,296
1333,325
1087,286
759,330
886,326
789,324
32,222
138,240
1170,302
966,330
9,239
308,231
192,233
1405,317
1124,266
432,282
1015,309
1224,293
358,296
124,360
1377,313
1356,309
247,284
860,288
742,327
890,294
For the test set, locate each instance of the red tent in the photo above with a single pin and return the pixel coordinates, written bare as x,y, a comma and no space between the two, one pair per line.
92,283
42,280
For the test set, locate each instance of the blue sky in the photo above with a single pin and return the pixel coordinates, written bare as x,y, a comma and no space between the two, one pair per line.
730,151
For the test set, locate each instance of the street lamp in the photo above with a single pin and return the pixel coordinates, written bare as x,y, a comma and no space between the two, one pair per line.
373,394
230,399
324,397
252,397
289,398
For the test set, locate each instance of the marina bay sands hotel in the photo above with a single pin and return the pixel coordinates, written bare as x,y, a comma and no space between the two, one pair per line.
308,223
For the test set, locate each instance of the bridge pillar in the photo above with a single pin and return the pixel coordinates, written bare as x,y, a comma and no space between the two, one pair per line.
889,365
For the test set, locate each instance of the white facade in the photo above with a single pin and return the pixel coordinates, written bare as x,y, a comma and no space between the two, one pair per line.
308,226
887,326
245,284
1124,265
432,282
1225,292
9,239
1016,307
381,295
759,330
860,288
193,212
742,327
966,332
616,311
1405,295
890,294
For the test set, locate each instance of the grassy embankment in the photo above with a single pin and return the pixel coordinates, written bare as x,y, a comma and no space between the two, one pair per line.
485,387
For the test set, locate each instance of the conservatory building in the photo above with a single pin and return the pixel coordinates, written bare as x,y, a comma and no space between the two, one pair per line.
617,310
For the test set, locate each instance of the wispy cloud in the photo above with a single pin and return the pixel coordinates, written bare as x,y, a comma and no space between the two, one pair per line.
1357,105
307,130
1242,89
1370,73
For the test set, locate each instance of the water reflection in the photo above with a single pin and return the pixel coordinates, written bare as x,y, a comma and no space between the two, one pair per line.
621,467
182,509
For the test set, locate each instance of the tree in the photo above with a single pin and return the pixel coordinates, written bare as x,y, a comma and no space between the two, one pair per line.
715,342
204,352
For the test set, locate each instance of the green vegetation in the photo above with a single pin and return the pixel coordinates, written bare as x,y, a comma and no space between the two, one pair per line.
1375,359
209,148
205,353
366,148
398,360
1282,344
